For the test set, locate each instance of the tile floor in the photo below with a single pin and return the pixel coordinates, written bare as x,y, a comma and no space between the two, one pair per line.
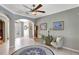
22,42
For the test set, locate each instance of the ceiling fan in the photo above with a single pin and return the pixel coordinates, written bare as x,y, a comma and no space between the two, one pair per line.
34,9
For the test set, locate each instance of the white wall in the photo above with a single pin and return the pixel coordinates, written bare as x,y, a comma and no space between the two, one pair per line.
71,27
31,29
26,31
18,29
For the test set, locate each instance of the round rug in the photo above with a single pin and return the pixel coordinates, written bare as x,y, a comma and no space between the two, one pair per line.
34,50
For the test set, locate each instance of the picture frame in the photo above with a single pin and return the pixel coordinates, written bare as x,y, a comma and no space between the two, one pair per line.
43,26
58,25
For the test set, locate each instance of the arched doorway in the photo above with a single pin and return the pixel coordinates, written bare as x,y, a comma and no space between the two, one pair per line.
4,27
24,32
2,31
24,28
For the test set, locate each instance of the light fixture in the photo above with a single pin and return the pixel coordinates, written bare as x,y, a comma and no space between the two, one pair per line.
23,20
34,13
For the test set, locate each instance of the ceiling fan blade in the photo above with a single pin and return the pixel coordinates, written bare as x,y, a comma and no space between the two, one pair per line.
37,7
27,7
40,11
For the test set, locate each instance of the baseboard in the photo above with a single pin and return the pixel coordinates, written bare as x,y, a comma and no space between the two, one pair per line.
71,49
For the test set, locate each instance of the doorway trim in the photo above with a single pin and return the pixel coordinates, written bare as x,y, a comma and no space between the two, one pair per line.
5,19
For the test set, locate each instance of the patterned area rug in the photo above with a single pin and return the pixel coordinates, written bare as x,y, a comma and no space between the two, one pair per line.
34,50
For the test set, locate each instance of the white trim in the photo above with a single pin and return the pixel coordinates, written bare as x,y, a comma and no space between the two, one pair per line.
11,11
15,13
74,50
8,9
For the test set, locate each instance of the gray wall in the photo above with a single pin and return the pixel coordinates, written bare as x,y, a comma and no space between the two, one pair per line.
71,27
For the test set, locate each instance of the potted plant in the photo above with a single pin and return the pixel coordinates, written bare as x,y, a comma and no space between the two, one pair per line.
48,39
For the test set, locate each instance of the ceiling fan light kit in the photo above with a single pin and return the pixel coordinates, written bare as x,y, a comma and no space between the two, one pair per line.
35,9
34,13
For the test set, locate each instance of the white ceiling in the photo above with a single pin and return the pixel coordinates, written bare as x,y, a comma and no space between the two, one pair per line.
48,8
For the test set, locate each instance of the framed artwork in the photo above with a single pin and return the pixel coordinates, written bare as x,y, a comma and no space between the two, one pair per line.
58,25
43,26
